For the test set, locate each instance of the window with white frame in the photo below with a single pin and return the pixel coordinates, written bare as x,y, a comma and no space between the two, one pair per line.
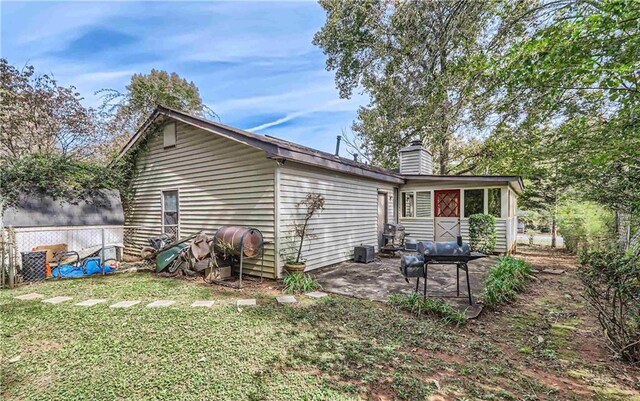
170,213
408,204
416,204
494,202
473,201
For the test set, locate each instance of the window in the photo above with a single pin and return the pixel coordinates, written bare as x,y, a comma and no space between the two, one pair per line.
494,202
473,201
423,204
169,135
170,217
407,204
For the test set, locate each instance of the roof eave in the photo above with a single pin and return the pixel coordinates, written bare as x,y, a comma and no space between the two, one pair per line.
302,158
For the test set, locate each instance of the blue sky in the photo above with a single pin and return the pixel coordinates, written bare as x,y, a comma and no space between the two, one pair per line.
253,62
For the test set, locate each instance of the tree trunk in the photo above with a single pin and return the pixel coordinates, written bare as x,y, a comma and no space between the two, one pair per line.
554,230
444,156
623,228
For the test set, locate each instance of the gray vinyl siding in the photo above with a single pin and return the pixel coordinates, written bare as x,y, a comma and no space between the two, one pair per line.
410,162
348,219
419,229
220,182
423,228
416,162
426,163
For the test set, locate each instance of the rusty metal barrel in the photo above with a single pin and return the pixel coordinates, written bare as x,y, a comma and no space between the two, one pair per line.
234,239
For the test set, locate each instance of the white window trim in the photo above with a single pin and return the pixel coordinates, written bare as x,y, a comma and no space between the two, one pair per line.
415,204
162,225
503,205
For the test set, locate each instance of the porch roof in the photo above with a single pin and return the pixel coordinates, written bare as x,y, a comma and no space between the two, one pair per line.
513,180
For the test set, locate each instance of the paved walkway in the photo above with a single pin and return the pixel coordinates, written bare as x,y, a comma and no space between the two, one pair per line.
160,303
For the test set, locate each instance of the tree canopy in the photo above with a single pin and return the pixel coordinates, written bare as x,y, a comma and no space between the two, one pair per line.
38,115
124,112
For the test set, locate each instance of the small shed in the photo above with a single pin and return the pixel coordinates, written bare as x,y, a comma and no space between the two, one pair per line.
82,224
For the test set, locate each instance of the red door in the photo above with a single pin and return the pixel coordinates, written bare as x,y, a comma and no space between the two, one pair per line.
447,203
447,215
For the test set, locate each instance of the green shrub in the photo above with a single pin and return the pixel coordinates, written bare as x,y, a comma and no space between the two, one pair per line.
299,283
55,175
482,233
418,305
584,223
506,280
612,286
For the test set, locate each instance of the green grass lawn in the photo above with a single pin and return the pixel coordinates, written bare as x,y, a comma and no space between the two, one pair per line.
334,348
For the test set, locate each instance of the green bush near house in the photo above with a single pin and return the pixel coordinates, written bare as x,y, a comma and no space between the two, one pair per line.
506,280
482,233
437,307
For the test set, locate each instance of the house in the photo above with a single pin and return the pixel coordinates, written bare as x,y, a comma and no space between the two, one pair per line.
195,174
80,224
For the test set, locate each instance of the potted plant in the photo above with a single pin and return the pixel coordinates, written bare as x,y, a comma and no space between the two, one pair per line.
313,203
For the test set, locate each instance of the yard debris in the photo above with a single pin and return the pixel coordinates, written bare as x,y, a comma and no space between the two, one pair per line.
15,359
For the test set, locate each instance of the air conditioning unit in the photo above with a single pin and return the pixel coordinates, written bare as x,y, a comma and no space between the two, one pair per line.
363,254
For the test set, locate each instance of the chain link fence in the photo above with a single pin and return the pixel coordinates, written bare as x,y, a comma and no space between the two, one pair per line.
36,254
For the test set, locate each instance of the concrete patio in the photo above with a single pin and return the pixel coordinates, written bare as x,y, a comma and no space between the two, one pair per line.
377,280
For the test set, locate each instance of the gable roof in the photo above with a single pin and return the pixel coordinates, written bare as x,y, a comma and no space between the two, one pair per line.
275,148
104,208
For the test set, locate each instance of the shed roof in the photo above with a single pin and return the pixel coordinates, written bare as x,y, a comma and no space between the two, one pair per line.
104,208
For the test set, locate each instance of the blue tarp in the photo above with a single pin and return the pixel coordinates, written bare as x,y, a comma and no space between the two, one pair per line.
89,267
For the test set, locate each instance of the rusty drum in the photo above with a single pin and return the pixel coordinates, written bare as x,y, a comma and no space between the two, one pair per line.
233,239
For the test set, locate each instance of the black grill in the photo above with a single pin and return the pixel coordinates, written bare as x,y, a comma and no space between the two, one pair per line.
443,253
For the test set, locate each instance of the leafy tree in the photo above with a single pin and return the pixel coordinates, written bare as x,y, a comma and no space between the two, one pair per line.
423,64
124,112
38,115
578,74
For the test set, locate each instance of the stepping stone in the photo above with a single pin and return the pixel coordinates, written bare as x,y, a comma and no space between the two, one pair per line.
57,300
124,304
91,302
553,271
286,299
246,302
316,294
161,304
202,304
29,297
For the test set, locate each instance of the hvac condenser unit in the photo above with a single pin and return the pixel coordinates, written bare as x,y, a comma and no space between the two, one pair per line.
363,254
